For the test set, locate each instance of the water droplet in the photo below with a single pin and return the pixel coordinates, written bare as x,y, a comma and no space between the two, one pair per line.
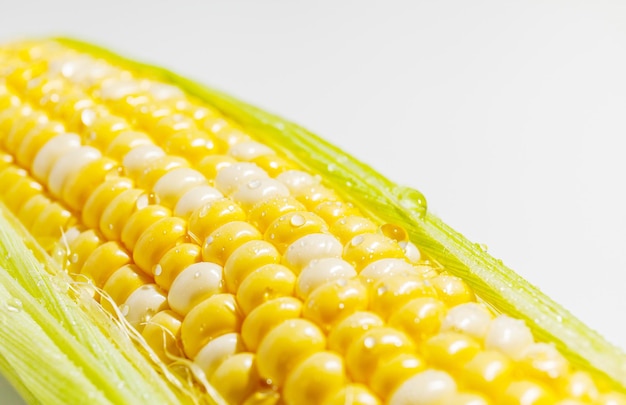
124,309
74,258
412,199
369,342
158,270
196,274
357,240
256,183
14,305
297,220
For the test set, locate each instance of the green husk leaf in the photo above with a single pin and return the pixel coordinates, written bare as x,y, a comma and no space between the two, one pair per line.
492,281
55,346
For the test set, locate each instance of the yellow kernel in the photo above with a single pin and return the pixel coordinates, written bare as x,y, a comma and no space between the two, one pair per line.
419,318
174,261
171,124
139,221
273,164
292,226
450,350
116,214
467,398
354,394
22,126
267,316
331,302
366,248
124,142
264,284
103,261
452,290
213,317
372,349
542,361
526,392
80,249
79,185
223,241
210,165
488,371
104,130
246,259
123,282
193,145
351,328
393,292
156,240
314,379
347,228
162,333
50,224
315,195
331,211
285,346
99,199
580,385
31,209
211,216
237,377
393,372
269,210
22,190
157,168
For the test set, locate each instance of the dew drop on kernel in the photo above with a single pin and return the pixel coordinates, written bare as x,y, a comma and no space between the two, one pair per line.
297,220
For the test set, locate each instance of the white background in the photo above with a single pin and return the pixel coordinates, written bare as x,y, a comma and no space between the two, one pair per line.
508,115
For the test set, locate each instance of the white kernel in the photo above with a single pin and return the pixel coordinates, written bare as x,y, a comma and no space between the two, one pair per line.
470,318
115,88
429,387
310,247
411,252
216,351
322,271
51,151
297,181
194,199
162,91
173,184
385,267
230,178
249,150
69,163
197,282
143,303
136,160
509,336
257,190
545,358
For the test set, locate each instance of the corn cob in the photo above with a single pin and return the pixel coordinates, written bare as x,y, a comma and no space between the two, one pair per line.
206,227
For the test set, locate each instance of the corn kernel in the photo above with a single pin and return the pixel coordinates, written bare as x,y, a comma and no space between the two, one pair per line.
315,379
213,317
266,316
193,285
285,346
264,284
